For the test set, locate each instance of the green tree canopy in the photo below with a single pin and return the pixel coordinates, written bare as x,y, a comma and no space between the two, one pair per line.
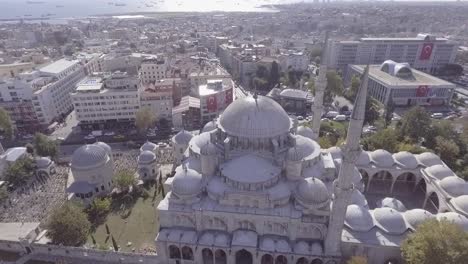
334,83
383,139
415,123
3,194
274,74
436,242
99,209
20,171
448,150
357,260
68,225
372,111
124,179
144,119
353,89
44,146
5,123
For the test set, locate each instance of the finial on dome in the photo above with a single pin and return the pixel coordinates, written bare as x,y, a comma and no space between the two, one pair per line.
184,167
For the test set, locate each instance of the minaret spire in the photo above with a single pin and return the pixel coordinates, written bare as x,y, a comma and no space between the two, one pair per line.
320,87
344,186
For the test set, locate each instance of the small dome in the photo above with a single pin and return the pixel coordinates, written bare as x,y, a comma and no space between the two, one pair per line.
146,157
43,162
210,126
209,149
454,186
382,158
393,203
406,160
416,216
305,148
316,249
106,147
301,247
428,159
187,183
359,199
255,118
359,218
182,138
390,220
335,152
364,159
312,191
88,156
149,146
455,218
305,132
439,172
461,203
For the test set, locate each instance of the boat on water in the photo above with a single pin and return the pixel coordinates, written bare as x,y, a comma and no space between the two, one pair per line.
32,2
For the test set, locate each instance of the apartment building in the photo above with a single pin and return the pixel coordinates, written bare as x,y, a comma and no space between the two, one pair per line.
424,52
201,77
215,96
158,97
297,61
153,69
107,100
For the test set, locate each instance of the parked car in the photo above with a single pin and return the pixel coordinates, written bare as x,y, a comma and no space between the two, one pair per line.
111,133
27,136
90,136
437,115
300,118
119,137
339,118
331,114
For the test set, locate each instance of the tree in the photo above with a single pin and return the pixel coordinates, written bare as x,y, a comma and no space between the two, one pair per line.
98,209
436,242
124,179
372,111
384,139
334,83
448,150
30,148
3,194
353,89
68,225
114,243
144,119
388,115
415,123
357,260
5,123
44,146
274,74
20,171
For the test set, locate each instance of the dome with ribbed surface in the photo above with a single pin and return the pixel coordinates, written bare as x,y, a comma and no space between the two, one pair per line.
358,198
255,118
316,249
305,132
88,156
428,159
187,183
382,158
391,202
359,218
390,220
439,172
182,138
106,147
454,186
461,203
417,216
210,126
455,218
312,191
406,160
363,159
149,146
146,157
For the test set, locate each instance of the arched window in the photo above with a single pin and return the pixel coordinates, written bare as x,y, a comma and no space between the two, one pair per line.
174,252
316,261
267,259
187,253
244,257
281,260
220,257
302,261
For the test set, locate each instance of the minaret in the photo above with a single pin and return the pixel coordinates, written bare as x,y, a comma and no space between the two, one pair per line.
320,86
343,186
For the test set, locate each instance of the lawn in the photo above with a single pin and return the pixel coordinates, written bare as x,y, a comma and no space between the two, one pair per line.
137,224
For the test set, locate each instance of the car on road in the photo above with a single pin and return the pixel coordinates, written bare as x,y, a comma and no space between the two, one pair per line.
437,115
27,136
331,114
300,118
90,136
339,118
119,137
111,133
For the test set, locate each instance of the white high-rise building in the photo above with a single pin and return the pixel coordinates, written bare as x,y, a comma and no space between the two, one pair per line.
424,52
153,69
107,100
297,61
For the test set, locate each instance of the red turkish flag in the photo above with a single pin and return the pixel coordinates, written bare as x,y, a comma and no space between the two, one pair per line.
211,103
229,96
422,91
426,51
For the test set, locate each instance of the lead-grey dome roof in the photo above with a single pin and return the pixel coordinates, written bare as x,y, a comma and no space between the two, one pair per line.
312,191
88,156
146,157
210,126
103,145
187,183
305,132
43,162
182,138
150,146
255,118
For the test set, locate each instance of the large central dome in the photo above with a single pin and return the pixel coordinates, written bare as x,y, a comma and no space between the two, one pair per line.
255,118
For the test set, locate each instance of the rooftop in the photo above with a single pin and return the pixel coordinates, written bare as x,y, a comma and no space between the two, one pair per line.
58,66
15,231
89,84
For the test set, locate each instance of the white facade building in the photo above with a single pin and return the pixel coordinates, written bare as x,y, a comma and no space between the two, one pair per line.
158,97
107,100
51,97
153,69
424,52
297,61
215,96
400,85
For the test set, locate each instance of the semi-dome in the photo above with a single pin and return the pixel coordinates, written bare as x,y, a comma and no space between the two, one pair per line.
208,149
382,158
359,218
255,118
305,132
88,156
106,147
417,216
455,218
312,191
406,160
454,186
363,159
358,198
43,162
393,203
390,220
146,157
428,159
182,138
187,183
461,203
210,126
149,146
439,171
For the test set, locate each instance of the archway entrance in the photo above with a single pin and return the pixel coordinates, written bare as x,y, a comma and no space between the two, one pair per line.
316,261
281,260
174,252
380,183
267,259
302,261
187,253
207,256
432,203
244,257
404,184
220,257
